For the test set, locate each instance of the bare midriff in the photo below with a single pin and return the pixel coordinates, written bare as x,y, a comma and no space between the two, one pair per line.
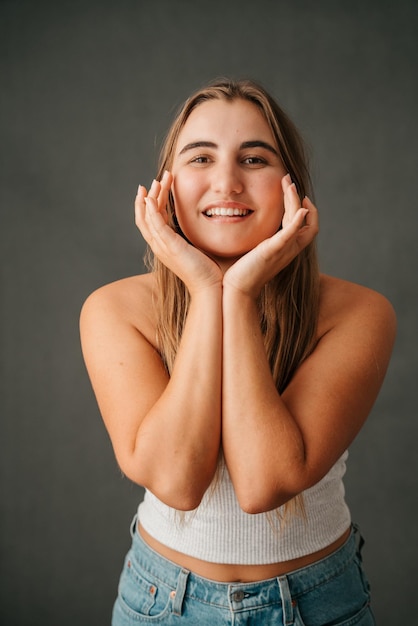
228,573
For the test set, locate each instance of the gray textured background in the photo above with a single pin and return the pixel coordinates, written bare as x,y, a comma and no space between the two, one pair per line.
87,91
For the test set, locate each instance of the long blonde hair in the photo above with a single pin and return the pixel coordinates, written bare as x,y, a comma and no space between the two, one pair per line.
289,303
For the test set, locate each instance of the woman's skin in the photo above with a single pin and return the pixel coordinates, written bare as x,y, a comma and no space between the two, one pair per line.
167,431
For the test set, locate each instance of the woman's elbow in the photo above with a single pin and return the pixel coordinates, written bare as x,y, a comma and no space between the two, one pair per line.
267,496
175,494
177,498
256,503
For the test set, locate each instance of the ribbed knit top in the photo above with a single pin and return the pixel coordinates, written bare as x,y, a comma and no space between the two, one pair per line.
220,531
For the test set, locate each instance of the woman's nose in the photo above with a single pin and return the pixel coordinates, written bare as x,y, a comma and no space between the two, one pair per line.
227,179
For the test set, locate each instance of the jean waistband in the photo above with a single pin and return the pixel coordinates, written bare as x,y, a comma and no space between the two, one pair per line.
294,583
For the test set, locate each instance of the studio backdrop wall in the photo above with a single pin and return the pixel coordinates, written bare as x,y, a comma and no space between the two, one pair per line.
87,91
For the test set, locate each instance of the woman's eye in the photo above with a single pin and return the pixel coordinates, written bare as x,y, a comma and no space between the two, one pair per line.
254,160
200,160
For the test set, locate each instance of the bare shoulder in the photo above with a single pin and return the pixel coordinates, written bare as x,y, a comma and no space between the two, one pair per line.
129,301
352,306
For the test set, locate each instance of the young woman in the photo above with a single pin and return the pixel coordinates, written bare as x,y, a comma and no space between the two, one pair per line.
232,378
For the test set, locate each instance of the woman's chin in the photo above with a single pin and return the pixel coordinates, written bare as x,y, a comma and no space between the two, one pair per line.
225,261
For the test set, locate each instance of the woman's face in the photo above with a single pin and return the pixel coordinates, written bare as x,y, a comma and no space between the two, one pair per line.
227,179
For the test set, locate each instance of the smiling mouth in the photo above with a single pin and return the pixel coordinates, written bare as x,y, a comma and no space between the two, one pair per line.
227,212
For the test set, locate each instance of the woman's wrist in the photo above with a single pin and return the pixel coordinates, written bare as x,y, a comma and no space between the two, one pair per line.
237,293
205,290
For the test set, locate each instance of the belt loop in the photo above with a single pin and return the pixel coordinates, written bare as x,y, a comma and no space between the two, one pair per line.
360,541
287,603
133,525
178,594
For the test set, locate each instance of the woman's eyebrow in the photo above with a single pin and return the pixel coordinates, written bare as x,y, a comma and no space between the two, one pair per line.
198,144
255,143
258,143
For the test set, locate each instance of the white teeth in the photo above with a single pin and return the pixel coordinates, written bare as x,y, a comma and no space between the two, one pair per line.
226,212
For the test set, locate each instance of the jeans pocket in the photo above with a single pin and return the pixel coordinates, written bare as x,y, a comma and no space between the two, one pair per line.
364,617
140,596
342,600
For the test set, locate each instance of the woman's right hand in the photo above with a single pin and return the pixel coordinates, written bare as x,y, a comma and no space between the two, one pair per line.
191,265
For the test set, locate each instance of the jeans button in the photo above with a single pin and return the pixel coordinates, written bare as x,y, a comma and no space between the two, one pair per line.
238,596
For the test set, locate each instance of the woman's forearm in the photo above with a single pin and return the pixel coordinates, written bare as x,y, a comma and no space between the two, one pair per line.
178,441
262,444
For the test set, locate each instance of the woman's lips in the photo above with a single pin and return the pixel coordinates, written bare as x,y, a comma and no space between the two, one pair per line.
227,212
227,209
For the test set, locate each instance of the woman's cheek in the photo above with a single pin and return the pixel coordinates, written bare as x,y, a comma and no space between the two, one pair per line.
276,212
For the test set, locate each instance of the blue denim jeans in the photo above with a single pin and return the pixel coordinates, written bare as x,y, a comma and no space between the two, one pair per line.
331,592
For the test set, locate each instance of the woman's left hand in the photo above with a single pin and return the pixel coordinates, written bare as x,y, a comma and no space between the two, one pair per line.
299,227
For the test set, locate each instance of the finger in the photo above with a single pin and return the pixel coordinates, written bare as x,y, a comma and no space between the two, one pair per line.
310,228
154,189
308,204
286,182
165,186
291,199
159,191
140,210
164,242
140,203
296,224
290,232
151,224
166,180
156,221
152,216
312,215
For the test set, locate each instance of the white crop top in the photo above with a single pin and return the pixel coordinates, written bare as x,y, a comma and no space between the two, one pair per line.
220,531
